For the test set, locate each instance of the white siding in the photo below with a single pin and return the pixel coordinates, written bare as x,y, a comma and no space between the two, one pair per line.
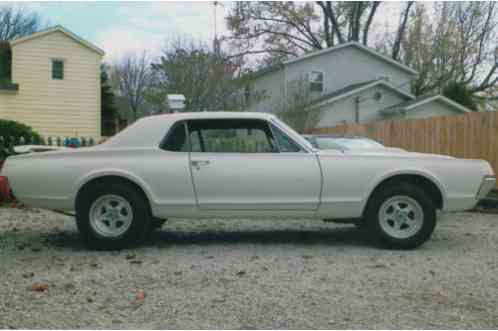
341,68
343,111
68,107
349,65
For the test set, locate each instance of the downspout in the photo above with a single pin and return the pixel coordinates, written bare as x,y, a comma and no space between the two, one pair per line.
357,110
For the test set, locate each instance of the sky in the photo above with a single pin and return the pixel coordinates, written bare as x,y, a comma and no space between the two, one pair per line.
121,27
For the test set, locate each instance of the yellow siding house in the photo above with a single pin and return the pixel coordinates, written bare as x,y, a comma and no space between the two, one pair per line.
55,84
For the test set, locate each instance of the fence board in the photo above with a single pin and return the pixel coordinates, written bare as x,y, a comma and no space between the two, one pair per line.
472,135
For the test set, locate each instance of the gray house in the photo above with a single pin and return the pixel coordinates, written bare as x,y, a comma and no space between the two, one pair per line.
348,83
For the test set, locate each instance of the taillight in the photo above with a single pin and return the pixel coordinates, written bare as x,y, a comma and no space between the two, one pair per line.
4,189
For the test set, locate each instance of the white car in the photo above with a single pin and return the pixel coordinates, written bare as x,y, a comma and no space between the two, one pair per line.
241,164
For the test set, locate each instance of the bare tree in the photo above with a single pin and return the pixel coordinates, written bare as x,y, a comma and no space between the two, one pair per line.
284,29
204,75
455,43
131,77
17,22
297,111
400,34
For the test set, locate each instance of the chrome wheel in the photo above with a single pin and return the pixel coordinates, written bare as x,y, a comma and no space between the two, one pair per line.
401,217
111,216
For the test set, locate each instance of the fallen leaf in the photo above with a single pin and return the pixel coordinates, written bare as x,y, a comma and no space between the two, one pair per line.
39,287
140,295
136,262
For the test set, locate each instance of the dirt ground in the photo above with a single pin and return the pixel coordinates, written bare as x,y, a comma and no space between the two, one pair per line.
247,274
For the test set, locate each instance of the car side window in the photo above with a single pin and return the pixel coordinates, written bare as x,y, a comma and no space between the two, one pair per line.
231,136
285,144
176,141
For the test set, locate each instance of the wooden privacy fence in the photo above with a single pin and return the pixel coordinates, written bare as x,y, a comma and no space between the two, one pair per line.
472,135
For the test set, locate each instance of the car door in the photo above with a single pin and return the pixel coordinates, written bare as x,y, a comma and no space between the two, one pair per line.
245,164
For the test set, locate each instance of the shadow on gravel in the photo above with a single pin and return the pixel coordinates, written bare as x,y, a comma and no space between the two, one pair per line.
165,238
333,237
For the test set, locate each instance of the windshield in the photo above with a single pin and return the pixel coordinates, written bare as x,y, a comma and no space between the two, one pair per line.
346,143
295,135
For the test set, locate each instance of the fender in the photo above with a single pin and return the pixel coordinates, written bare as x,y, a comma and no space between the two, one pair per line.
396,172
111,172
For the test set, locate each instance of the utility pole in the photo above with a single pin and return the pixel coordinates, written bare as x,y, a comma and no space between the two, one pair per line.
216,42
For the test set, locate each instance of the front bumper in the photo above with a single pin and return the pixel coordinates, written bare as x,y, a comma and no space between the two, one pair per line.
488,183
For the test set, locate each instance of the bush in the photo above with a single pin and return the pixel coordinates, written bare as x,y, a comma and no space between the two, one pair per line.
17,130
460,93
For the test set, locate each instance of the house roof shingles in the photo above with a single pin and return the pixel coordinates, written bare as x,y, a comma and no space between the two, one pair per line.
411,105
357,87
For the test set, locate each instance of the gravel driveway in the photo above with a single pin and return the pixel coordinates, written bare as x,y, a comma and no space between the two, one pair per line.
247,274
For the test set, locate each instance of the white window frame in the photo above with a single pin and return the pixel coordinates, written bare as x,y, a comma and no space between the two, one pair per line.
311,82
52,60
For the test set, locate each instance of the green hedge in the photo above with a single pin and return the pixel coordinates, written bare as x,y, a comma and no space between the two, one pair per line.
16,130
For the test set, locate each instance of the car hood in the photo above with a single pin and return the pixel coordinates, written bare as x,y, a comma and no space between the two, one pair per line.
388,151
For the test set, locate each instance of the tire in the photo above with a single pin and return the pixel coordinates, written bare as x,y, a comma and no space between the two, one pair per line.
400,216
124,213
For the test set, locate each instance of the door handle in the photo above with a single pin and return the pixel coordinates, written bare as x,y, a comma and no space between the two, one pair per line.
198,163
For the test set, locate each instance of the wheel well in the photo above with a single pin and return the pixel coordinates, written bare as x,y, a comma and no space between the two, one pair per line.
425,184
109,180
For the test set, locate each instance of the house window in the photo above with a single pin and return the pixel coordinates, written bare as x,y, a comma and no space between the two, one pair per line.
316,81
57,69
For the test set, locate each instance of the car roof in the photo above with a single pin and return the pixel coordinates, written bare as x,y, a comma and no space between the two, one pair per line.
149,131
208,115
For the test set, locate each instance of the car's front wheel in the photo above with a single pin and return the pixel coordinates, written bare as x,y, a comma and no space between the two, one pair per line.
401,215
112,215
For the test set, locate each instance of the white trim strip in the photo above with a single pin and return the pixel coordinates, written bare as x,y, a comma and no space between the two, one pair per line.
63,30
441,98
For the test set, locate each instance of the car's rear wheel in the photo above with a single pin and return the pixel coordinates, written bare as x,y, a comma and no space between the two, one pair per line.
401,215
112,215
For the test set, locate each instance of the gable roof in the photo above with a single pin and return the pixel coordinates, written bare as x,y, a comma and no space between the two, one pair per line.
356,45
413,104
355,88
65,31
